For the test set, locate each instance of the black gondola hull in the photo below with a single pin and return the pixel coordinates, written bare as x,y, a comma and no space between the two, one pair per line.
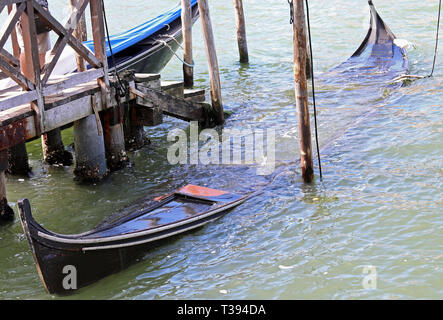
67,263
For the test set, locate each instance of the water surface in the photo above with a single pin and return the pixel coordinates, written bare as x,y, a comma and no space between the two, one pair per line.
378,205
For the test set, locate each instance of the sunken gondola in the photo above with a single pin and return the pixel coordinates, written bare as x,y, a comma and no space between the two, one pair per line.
378,53
122,239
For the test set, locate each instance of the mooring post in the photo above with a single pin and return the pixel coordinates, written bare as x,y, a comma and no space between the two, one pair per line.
113,119
301,90
211,55
188,69
6,213
241,31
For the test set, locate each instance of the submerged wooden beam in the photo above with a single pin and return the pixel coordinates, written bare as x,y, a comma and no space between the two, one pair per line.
301,90
172,106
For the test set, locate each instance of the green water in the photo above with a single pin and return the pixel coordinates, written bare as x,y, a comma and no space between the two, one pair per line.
379,204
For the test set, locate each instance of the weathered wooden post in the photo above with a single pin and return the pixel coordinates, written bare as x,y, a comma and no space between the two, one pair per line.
52,144
18,156
211,55
90,159
6,213
113,119
79,33
89,143
18,160
301,90
188,69
54,152
241,31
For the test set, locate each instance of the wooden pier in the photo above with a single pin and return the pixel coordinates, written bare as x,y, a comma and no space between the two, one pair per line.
108,111
105,124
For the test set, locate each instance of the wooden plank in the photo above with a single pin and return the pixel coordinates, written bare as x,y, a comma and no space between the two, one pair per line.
72,111
62,40
61,31
146,77
173,106
9,58
73,80
9,24
173,88
15,74
18,113
18,100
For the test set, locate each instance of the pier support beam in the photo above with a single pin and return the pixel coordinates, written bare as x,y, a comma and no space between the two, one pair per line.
6,212
188,71
301,90
18,160
135,136
241,31
54,152
211,55
114,139
89,149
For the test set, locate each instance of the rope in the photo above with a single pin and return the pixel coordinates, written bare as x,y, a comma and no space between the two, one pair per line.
291,12
411,76
122,90
436,39
313,90
175,54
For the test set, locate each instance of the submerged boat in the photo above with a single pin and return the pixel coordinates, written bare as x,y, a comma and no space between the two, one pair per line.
122,239
378,56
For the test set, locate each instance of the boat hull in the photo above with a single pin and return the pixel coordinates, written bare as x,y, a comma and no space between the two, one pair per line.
68,263
153,53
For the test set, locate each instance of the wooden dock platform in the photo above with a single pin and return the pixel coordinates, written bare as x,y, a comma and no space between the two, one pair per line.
39,104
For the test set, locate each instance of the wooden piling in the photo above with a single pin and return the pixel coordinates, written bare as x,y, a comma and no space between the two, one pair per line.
89,149
112,125
211,55
301,90
54,152
6,213
188,69
241,31
116,156
18,160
